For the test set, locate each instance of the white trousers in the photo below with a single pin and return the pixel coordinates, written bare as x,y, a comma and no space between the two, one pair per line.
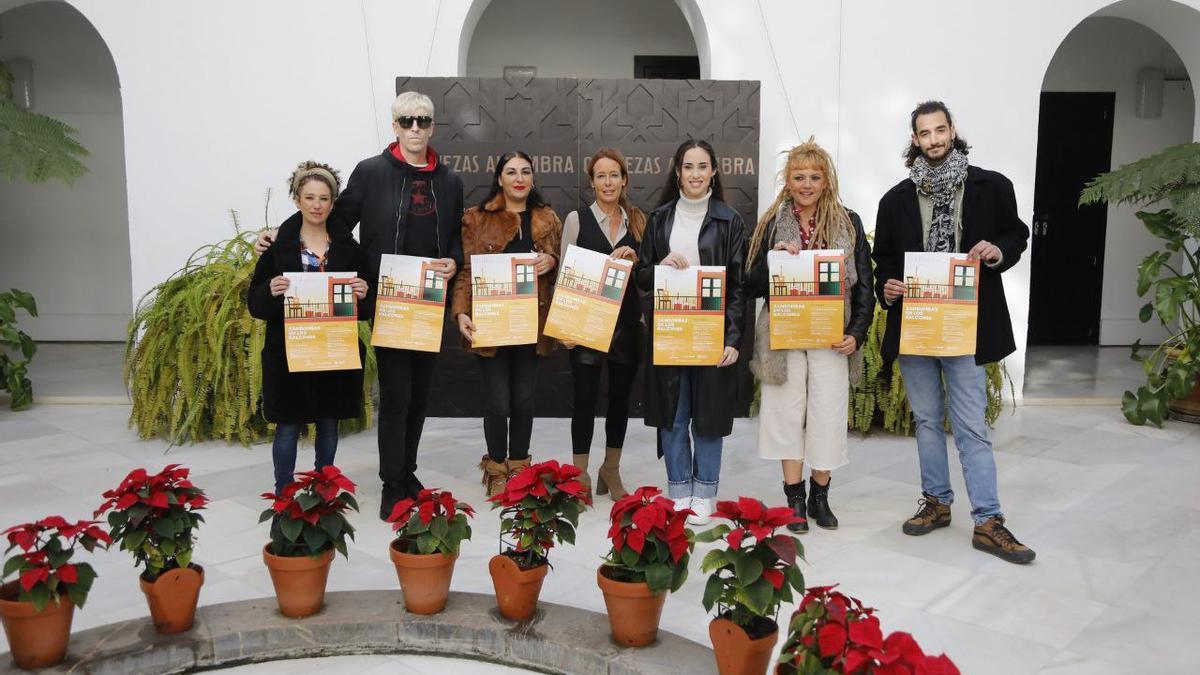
805,417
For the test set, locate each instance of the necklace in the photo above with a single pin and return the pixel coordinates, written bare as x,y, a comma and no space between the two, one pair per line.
805,235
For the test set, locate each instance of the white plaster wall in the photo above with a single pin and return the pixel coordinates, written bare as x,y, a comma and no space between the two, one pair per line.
69,245
1088,61
592,40
220,99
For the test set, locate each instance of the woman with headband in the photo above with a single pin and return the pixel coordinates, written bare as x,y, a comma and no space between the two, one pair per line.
294,400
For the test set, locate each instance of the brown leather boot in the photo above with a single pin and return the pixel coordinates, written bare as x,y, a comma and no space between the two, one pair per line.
495,475
993,537
932,515
516,466
608,478
581,462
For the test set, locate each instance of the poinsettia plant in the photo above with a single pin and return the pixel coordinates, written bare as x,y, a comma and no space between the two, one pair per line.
756,571
153,517
43,567
433,522
308,516
540,505
834,633
650,542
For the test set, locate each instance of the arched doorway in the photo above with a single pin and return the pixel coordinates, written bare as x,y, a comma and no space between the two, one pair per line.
618,39
69,244
1098,112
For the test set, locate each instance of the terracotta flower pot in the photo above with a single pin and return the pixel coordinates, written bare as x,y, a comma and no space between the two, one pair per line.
517,590
424,579
736,652
172,598
634,610
37,639
299,581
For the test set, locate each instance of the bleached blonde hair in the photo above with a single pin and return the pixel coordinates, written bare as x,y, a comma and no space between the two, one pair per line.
412,102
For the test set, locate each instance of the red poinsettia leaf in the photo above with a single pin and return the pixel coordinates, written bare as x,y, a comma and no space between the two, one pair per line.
760,532
159,500
31,577
126,500
734,538
752,509
784,547
774,577
831,640
52,521
728,510
67,574
855,659
778,516
636,540
866,633
940,665
678,546
426,512
644,518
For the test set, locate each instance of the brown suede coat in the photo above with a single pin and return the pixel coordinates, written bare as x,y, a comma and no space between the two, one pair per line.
488,231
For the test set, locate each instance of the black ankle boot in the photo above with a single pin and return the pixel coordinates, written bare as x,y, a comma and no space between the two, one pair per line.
818,505
795,502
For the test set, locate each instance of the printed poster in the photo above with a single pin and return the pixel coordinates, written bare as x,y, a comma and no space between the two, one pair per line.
504,301
320,322
689,315
409,304
941,304
587,298
806,298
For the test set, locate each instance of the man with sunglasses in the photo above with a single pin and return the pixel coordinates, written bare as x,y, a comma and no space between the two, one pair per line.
405,202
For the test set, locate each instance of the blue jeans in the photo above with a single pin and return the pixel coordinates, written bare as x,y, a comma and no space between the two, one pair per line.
283,449
966,387
689,474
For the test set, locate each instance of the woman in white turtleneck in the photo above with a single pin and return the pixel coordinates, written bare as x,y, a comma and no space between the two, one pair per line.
693,226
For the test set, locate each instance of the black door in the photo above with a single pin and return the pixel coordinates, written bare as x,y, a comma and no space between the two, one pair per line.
1074,145
666,67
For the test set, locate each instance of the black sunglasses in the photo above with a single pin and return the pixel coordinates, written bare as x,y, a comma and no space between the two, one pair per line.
423,121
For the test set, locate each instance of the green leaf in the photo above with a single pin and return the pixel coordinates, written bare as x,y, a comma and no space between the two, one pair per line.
1180,380
315,538
760,594
710,535
134,540
712,591
308,500
166,528
658,577
748,569
439,528
117,518
1146,312
291,529
714,559
332,523
1152,405
39,595
13,564
25,301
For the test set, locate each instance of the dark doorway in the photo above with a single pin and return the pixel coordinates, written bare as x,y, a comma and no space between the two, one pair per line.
1074,145
666,67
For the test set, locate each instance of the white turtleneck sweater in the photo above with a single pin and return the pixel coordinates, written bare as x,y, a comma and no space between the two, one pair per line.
685,230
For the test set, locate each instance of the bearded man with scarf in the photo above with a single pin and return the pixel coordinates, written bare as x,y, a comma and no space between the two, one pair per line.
947,205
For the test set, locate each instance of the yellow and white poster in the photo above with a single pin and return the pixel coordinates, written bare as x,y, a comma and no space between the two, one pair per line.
504,301
320,322
941,304
587,298
409,305
689,315
806,298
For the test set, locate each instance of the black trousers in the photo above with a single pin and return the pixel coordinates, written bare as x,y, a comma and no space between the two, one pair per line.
404,380
510,381
586,378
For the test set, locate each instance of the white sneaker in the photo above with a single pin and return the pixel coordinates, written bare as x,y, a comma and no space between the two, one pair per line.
702,509
683,503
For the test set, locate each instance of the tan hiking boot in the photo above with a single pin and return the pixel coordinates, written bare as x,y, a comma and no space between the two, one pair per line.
516,466
932,515
993,537
580,460
608,478
495,475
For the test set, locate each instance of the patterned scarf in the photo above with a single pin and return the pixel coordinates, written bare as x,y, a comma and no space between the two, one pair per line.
939,184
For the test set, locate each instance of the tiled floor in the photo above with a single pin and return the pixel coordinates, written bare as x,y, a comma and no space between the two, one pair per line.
1080,373
375,665
1110,508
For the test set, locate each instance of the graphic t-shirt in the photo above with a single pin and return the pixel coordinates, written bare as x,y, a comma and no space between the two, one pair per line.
421,236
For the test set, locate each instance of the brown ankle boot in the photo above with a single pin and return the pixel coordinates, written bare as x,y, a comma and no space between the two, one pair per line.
993,537
516,466
932,515
495,475
581,462
608,478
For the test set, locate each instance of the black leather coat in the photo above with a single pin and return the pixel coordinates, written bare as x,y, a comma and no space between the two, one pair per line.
862,294
722,242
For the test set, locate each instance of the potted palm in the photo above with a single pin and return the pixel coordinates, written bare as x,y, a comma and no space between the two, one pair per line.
38,606
649,558
539,506
1172,273
153,517
835,633
751,576
308,523
429,530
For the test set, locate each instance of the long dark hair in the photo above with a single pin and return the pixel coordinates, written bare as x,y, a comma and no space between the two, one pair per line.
913,151
533,201
671,187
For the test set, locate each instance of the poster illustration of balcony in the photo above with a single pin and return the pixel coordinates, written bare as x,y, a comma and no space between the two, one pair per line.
587,298
320,322
689,315
807,305
409,304
941,304
504,302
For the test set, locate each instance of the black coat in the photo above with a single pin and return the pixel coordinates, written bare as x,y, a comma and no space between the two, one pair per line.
989,213
377,198
302,397
862,295
722,242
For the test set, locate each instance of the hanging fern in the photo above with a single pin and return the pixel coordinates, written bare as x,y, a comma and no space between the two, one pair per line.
192,363
35,147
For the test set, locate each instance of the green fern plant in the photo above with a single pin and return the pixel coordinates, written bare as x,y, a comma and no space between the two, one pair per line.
192,364
16,348
35,147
